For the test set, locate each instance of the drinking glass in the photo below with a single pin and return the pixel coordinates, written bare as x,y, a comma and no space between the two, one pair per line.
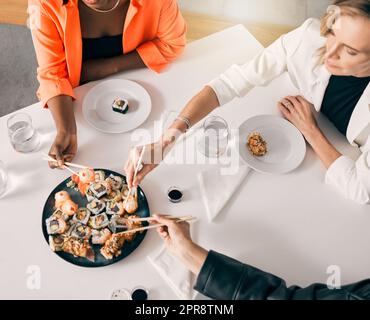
23,137
3,178
215,137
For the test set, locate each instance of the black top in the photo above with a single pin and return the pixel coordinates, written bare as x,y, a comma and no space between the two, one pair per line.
223,278
104,47
341,98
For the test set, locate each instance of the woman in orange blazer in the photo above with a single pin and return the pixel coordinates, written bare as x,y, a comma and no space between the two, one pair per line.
83,40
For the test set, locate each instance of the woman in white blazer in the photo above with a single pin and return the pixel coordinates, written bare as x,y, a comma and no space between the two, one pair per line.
329,62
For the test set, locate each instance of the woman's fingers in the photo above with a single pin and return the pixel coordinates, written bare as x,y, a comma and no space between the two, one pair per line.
141,174
58,156
284,110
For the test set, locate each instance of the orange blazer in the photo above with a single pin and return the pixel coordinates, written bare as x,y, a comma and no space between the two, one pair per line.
155,28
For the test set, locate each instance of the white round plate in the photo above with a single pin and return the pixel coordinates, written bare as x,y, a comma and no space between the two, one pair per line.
286,147
97,106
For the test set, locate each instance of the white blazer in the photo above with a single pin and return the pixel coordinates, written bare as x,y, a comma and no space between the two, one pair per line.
297,54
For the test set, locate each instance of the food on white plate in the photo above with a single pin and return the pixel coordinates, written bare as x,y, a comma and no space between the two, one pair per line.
256,144
120,105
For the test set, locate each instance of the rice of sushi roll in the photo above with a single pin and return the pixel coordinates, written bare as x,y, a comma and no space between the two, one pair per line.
99,189
82,215
117,224
81,231
115,207
99,176
99,221
56,226
120,105
96,206
56,243
100,236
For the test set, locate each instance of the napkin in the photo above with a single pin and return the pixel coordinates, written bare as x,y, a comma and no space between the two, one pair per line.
174,273
216,188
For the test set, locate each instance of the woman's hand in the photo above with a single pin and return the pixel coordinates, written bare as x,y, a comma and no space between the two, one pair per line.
176,236
63,149
151,158
300,113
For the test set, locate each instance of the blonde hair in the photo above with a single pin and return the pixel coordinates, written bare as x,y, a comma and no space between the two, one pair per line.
341,7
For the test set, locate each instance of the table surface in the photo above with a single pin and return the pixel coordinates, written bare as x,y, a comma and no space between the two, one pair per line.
293,225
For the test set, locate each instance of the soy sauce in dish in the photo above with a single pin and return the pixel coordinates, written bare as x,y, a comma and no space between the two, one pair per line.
174,194
139,294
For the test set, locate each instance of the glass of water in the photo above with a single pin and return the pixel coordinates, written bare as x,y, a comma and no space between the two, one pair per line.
3,178
23,137
215,137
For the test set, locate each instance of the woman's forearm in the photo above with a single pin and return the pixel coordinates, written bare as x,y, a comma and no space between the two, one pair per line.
100,68
198,107
61,108
194,257
322,147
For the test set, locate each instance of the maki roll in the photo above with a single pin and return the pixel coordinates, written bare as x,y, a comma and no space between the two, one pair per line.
99,189
120,105
125,191
82,216
89,195
96,206
114,207
81,231
115,181
56,243
99,222
114,195
100,236
99,176
117,224
58,214
56,226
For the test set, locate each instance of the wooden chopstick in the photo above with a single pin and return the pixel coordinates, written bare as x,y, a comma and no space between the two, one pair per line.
135,173
192,219
69,164
154,219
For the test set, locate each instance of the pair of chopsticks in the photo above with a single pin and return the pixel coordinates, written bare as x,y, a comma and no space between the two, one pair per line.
135,173
67,165
178,219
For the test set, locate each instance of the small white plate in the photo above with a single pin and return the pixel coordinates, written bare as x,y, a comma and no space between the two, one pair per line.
286,147
97,106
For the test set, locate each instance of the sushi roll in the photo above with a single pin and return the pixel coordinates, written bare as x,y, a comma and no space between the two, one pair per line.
99,189
114,195
96,206
89,195
82,215
100,236
59,214
56,226
99,176
81,231
56,243
99,221
117,224
120,105
115,181
125,191
115,207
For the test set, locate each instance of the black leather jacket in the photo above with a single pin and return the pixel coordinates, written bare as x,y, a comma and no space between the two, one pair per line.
223,278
